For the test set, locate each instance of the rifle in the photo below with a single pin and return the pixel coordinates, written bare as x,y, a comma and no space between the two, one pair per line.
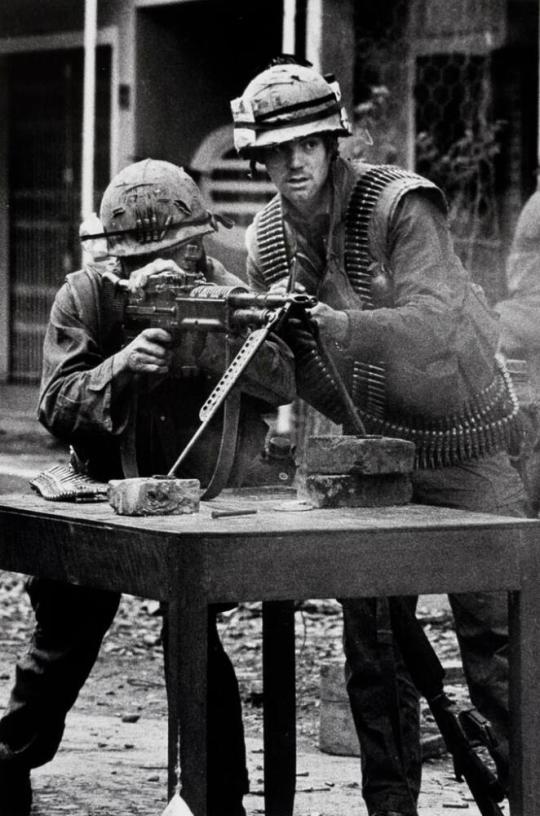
462,731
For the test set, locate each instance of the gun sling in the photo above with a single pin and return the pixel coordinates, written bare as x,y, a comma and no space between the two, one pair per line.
225,456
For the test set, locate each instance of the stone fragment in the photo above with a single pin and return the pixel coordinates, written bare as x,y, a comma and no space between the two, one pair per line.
337,734
356,454
154,496
354,490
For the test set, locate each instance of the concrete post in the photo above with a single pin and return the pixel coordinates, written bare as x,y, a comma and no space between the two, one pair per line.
330,44
89,103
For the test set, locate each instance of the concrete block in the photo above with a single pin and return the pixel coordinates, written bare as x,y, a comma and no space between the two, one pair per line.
355,454
154,496
354,490
337,734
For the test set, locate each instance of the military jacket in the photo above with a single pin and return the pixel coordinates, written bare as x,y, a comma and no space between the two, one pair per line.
430,325
81,401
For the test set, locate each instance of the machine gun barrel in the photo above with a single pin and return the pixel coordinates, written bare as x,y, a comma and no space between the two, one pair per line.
269,300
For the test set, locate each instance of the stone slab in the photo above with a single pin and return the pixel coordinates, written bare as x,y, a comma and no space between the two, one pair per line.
354,454
337,734
154,496
354,490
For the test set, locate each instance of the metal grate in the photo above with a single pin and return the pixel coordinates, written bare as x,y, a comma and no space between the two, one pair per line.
439,94
45,114
226,185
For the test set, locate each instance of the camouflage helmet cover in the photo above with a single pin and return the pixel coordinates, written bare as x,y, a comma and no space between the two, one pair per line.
152,205
286,102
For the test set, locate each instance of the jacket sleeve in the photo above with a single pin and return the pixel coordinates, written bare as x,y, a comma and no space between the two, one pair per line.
429,287
78,399
270,375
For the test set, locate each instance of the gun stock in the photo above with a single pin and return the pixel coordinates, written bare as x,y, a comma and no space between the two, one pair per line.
461,731
483,783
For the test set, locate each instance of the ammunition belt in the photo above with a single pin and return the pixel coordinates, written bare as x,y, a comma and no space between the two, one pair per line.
487,423
316,385
361,205
369,380
271,242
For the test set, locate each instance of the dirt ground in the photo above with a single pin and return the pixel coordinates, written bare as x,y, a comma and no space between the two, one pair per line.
113,756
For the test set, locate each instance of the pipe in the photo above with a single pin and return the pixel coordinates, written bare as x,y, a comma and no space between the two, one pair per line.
89,109
288,37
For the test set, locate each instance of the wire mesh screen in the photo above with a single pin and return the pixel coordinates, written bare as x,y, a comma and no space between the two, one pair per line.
45,115
433,94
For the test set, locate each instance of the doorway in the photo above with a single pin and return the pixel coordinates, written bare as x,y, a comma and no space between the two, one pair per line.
44,113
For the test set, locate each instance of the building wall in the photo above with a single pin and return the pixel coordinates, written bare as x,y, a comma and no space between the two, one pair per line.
192,58
20,18
177,65
4,234
23,34
121,16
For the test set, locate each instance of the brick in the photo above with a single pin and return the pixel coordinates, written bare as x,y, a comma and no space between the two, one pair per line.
153,496
354,490
355,454
337,734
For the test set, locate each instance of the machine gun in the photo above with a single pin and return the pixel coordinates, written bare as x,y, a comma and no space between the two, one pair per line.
193,310
463,731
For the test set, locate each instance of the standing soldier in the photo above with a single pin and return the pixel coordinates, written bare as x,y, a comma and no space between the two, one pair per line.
415,342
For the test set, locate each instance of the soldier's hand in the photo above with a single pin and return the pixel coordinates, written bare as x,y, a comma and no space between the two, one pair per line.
333,325
139,277
280,287
299,334
148,353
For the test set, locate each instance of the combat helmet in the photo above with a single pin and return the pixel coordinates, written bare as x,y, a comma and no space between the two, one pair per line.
152,205
287,101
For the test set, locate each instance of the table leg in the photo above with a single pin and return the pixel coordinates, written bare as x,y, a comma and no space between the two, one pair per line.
187,661
525,683
279,694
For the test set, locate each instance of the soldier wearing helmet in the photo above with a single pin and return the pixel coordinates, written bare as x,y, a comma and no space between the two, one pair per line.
414,341
153,221
152,206
286,102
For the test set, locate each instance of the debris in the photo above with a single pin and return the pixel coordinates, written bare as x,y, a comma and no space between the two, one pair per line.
177,807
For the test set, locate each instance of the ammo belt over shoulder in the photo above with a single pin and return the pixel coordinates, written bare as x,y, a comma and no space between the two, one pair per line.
271,243
485,424
369,380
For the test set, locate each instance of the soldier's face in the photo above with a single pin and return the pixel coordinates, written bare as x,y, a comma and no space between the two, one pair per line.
299,169
186,256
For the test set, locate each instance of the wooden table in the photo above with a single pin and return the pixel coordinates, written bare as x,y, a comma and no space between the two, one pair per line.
276,556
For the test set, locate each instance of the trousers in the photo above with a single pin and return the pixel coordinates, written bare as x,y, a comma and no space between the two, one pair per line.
71,622
390,751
